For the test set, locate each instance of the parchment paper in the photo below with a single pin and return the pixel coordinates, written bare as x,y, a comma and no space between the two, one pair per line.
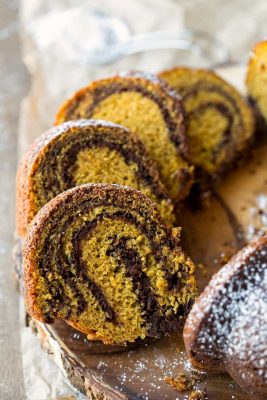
55,76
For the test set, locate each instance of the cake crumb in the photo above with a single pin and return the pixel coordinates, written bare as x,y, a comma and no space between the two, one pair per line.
203,270
180,383
198,395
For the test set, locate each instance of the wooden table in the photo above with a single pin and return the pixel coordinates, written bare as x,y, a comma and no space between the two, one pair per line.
13,86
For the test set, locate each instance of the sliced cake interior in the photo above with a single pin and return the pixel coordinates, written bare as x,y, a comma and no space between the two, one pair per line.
145,105
85,151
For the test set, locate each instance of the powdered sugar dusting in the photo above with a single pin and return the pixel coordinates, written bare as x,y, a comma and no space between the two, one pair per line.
231,316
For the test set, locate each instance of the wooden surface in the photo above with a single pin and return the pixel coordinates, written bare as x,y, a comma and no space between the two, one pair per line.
13,85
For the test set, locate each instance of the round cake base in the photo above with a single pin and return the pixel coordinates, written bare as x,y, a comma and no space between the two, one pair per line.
237,214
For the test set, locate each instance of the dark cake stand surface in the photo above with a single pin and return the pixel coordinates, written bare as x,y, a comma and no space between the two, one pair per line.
237,213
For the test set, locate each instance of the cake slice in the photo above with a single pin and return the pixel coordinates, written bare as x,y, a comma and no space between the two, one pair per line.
256,79
146,106
220,125
85,151
226,329
99,257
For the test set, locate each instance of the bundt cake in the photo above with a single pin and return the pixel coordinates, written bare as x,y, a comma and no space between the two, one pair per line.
220,124
226,329
99,257
145,105
256,79
85,151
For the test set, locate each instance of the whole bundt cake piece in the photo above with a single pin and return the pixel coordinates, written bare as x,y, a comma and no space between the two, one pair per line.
256,79
220,124
145,105
85,151
226,329
99,257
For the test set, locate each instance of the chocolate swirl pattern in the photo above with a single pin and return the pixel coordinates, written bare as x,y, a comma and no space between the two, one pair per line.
220,124
99,257
85,151
145,105
226,329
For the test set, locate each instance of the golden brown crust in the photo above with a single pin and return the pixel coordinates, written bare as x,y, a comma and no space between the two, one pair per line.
24,186
24,183
201,310
116,196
